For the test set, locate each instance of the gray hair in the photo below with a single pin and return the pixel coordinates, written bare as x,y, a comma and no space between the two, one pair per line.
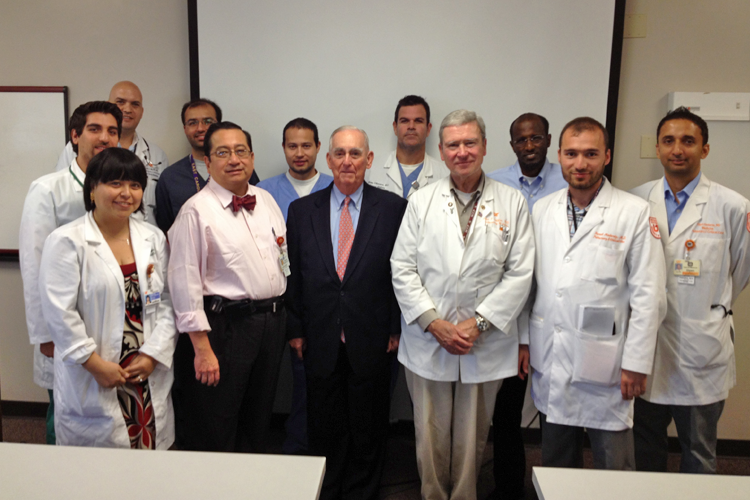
462,117
349,127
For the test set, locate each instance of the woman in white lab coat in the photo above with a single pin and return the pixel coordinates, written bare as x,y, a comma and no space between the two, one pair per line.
104,293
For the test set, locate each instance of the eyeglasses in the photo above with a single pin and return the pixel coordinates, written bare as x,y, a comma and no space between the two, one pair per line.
535,140
225,154
194,122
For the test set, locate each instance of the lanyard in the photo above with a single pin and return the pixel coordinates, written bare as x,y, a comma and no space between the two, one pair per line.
471,217
70,169
573,212
195,174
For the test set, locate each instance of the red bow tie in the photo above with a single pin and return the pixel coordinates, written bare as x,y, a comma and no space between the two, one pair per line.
247,201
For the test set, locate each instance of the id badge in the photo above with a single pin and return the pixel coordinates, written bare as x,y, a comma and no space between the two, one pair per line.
153,298
284,261
687,267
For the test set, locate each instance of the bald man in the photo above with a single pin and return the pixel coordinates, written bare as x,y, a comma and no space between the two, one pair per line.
127,96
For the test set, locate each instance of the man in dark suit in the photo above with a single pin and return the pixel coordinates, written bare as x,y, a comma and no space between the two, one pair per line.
344,319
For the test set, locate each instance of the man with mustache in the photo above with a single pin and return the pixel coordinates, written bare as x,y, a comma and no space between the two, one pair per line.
53,200
409,168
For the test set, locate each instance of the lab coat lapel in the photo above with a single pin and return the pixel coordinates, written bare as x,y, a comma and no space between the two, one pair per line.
321,221
392,171
595,215
450,208
368,216
95,239
659,210
693,210
143,248
561,217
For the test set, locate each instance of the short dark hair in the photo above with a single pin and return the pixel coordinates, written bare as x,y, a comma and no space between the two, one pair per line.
200,102
301,123
683,113
412,100
528,117
82,112
222,126
110,165
585,124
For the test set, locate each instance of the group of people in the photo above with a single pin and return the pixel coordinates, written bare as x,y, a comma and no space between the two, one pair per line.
161,299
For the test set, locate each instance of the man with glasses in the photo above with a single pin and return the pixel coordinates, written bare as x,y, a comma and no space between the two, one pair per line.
227,273
535,176
187,176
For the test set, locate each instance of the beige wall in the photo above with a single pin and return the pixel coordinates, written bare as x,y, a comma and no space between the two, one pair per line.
698,46
89,45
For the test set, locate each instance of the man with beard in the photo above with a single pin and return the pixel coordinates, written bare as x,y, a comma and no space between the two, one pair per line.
600,297
409,167
189,175
301,147
535,177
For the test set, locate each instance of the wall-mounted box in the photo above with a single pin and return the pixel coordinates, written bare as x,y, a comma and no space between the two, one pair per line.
726,106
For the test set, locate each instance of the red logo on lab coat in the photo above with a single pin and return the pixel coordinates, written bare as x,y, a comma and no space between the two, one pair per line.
655,227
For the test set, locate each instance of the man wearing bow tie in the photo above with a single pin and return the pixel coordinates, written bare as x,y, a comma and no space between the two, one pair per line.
228,267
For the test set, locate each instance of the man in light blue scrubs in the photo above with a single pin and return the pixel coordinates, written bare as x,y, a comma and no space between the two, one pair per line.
301,146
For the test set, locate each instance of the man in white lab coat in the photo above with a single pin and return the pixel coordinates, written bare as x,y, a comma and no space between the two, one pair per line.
52,201
462,269
599,301
706,239
127,96
409,168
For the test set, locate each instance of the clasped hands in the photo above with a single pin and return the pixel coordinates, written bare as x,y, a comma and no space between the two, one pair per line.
456,339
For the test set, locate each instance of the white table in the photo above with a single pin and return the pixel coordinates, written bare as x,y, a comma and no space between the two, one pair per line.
31,471
583,484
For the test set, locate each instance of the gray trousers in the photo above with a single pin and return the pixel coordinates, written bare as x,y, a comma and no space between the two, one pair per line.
562,446
696,431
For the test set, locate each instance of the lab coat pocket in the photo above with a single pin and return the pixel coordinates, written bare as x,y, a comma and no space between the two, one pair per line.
539,343
606,265
597,359
706,343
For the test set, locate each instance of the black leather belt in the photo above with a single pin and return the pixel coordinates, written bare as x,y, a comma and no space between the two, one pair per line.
221,305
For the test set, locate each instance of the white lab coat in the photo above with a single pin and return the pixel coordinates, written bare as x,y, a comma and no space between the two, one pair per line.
612,267
388,175
491,275
153,158
83,298
694,362
53,200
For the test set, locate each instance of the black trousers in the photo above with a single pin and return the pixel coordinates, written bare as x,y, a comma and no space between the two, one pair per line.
509,465
235,415
347,422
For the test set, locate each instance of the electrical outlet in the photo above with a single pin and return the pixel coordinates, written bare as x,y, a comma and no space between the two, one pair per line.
648,146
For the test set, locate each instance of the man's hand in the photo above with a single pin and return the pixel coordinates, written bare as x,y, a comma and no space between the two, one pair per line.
449,337
106,373
140,368
206,364
298,346
393,343
469,330
632,384
523,361
48,349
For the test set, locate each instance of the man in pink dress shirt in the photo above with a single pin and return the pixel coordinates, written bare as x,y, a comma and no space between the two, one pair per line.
228,272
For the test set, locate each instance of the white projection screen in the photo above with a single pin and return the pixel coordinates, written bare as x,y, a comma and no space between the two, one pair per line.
337,62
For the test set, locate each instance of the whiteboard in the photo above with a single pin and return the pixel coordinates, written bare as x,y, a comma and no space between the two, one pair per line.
340,62
33,127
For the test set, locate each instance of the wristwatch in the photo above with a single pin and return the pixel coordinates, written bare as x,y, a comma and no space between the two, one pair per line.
482,324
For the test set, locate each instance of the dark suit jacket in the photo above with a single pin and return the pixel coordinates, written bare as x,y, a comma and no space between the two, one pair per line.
363,304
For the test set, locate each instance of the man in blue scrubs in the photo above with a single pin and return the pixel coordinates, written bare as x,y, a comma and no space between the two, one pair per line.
535,176
301,146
